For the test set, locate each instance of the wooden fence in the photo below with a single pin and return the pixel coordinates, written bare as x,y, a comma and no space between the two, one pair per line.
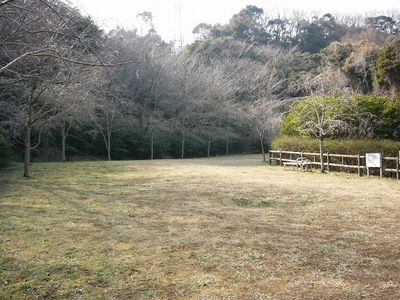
340,162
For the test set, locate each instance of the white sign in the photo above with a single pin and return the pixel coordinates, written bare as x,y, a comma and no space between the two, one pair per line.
373,160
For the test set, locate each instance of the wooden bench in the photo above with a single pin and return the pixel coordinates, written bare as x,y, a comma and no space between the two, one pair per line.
300,163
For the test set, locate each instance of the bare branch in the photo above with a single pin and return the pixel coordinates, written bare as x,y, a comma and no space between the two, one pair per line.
42,52
38,142
4,2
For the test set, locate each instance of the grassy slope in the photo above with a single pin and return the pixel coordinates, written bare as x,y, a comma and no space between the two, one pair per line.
202,228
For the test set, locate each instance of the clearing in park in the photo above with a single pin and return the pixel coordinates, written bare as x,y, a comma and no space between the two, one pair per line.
220,228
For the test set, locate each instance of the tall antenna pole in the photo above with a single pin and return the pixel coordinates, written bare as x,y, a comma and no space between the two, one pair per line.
180,26
175,37
178,32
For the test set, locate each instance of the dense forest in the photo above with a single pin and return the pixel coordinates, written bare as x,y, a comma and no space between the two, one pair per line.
70,91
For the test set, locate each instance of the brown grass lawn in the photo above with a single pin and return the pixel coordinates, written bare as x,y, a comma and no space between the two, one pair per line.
220,228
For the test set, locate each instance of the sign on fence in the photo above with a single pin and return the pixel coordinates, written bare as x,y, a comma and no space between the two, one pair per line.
373,160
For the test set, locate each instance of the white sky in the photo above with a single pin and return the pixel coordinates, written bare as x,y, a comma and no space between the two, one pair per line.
167,23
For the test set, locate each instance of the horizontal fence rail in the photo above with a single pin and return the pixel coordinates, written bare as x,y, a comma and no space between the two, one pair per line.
339,162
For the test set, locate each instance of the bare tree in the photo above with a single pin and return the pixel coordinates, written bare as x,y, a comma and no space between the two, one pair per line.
330,81
72,106
33,29
144,88
105,108
265,116
323,117
34,108
45,29
187,106
40,41
262,89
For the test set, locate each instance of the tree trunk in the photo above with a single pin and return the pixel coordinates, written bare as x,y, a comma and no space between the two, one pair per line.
183,146
63,138
108,145
321,154
227,145
152,146
262,147
27,156
208,147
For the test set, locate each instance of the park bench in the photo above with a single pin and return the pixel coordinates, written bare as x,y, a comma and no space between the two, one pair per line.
300,163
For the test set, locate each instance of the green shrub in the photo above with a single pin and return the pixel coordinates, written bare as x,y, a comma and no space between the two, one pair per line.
387,68
378,116
337,146
291,123
386,111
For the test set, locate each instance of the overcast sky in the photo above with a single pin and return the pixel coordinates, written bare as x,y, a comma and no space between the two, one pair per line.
171,24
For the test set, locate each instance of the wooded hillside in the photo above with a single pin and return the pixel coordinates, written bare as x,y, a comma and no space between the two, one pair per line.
69,90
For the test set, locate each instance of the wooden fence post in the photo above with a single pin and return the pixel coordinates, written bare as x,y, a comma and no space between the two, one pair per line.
341,168
280,157
271,155
398,166
381,169
359,164
327,161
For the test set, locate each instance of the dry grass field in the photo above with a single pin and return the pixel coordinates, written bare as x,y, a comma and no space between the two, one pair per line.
219,228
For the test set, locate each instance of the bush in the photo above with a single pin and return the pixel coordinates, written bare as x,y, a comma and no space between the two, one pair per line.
386,111
387,68
5,148
337,146
381,121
